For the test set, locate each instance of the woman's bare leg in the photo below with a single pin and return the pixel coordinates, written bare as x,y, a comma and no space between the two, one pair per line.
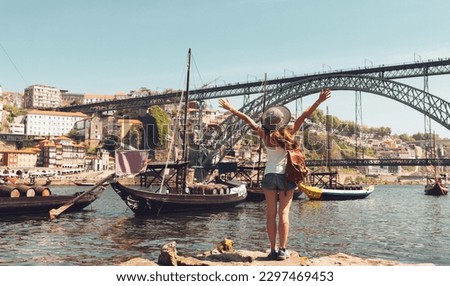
271,215
283,216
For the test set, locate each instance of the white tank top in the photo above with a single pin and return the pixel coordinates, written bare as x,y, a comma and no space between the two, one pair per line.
276,160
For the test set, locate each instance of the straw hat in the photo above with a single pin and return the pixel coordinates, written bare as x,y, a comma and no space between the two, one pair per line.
275,117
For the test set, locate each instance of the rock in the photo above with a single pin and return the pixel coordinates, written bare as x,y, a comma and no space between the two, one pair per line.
342,259
137,261
258,258
168,255
225,245
225,255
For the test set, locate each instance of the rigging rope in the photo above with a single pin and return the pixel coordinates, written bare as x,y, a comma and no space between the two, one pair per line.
14,65
172,142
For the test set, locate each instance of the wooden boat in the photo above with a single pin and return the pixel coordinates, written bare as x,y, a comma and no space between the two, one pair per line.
163,185
33,182
42,204
87,183
436,183
20,199
324,186
254,193
144,201
47,183
436,186
316,193
436,189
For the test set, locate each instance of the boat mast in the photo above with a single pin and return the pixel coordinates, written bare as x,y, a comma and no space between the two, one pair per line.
185,155
186,98
328,130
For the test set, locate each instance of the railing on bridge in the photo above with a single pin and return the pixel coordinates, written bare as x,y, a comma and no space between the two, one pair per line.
378,162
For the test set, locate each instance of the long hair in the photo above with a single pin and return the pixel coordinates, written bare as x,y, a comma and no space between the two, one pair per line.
282,137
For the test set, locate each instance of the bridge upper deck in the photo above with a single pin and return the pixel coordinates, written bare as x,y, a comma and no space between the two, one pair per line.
407,70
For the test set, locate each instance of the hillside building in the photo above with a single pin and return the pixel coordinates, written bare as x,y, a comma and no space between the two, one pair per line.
51,123
63,154
18,158
42,97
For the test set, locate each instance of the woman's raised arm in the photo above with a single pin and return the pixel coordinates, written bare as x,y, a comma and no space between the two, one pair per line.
224,103
324,95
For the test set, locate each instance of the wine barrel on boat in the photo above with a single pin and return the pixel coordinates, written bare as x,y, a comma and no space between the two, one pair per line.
26,190
210,189
9,191
42,191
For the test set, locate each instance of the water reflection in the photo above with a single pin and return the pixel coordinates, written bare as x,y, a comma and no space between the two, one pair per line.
395,222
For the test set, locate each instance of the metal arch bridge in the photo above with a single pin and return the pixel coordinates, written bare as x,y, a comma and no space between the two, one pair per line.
232,130
377,80
410,70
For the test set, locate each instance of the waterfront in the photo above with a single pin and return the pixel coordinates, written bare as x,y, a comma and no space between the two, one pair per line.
395,223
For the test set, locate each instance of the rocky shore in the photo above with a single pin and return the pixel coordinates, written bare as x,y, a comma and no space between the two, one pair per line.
228,256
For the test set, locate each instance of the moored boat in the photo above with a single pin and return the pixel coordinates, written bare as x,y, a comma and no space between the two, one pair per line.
20,199
158,193
436,189
324,185
437,182
436,186
145,201
323,194
88,183
41,204
164,186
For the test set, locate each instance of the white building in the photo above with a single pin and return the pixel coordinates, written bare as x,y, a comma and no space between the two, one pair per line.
96,98
42,96
16,128
51,123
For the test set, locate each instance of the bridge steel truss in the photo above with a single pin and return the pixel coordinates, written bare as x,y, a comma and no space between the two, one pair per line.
376,80
232,130
418,69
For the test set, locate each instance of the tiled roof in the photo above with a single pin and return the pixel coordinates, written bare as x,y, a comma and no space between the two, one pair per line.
56,113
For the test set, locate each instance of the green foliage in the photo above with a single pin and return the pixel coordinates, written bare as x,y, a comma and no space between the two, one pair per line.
91,151
14,111
346,127
318,116
422,136
133,137
405,137
73,134
162,121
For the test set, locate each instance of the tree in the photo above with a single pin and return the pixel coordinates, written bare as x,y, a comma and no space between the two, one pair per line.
162,121
318,116
419,136
405,137
73,134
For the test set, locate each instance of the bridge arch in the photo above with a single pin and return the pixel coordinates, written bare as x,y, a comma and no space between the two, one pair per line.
232,130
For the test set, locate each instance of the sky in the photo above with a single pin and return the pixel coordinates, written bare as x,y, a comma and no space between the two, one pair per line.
106,47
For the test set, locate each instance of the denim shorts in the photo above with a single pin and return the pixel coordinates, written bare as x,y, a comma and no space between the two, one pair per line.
276,182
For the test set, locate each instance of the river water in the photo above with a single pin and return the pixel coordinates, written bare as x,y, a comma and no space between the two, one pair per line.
395,222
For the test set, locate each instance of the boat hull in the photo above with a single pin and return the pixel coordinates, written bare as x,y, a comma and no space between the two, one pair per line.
89,184
315,193
436,190
146,202
35,205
